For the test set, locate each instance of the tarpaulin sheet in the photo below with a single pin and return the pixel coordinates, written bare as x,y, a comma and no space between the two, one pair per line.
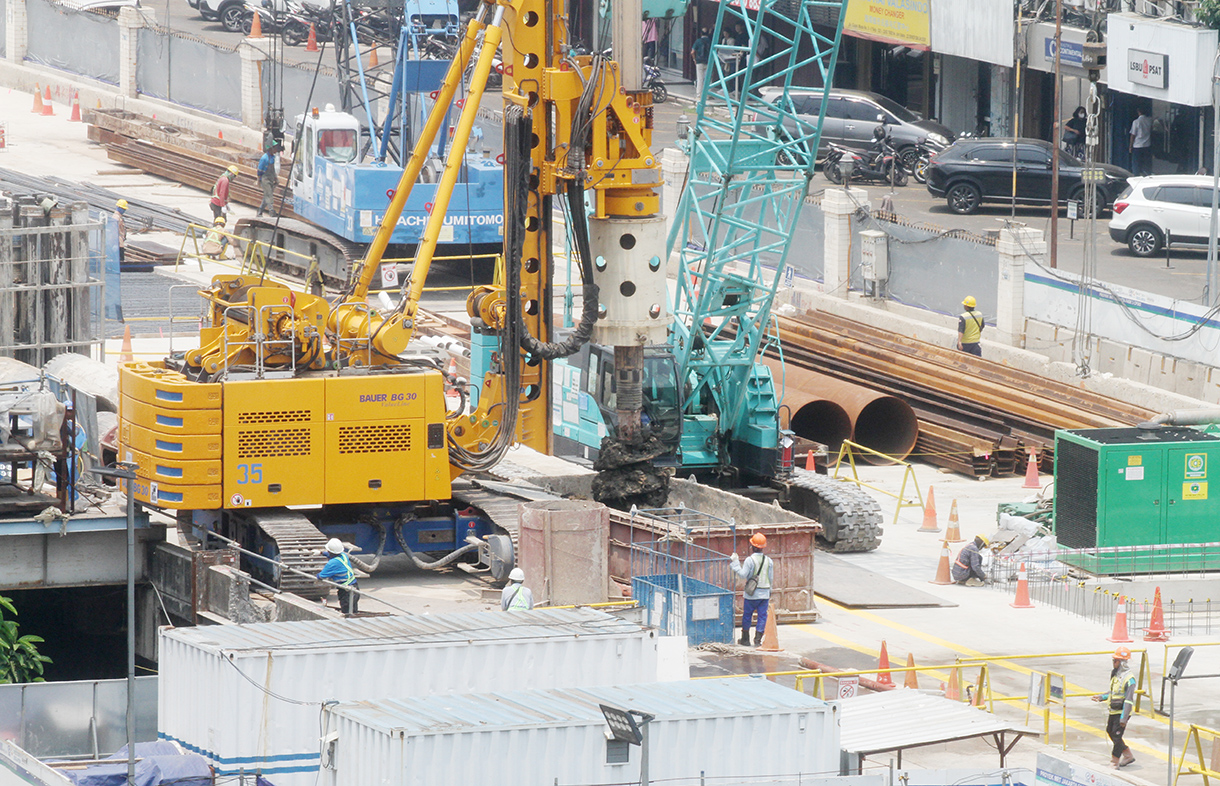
50,25
190,72
158,763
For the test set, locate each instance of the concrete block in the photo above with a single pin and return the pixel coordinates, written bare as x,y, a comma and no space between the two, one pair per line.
1139,364
293,608
1184,377
1211,386
1110,357
1040,338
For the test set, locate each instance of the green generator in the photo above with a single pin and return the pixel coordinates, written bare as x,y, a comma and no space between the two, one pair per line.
1135,487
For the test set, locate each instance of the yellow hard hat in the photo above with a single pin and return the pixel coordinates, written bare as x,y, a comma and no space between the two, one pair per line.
218,220
986,542
233,170
121,204
969,301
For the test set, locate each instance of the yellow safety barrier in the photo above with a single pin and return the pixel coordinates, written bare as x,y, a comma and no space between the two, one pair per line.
848,449
1205,768
613,604
1143,673
253,253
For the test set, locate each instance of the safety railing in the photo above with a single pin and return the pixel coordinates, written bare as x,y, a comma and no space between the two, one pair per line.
253,256
848,451
1051,582
1201,766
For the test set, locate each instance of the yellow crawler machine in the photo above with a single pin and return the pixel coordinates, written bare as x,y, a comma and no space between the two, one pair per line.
297,401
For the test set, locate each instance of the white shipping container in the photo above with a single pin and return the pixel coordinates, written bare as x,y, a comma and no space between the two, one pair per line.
748,728
249,697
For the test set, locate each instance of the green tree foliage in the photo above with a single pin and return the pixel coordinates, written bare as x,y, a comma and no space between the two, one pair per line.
19,658
1208,12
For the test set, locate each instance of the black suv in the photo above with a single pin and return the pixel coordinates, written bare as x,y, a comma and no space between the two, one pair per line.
973,171
851,116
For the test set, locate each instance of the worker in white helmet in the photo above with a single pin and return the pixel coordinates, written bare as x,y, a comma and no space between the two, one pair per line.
339,570
516,596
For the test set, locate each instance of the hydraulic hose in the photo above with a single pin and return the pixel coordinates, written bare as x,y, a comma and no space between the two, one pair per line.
424,564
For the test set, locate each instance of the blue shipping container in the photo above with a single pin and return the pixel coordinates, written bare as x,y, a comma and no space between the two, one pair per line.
681,606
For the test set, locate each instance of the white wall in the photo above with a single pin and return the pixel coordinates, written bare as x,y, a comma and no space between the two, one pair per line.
1056,301
978,29
1189,53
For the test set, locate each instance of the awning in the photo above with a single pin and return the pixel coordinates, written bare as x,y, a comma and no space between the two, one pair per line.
900,719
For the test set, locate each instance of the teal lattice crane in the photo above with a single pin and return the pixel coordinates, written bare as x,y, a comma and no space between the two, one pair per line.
751,164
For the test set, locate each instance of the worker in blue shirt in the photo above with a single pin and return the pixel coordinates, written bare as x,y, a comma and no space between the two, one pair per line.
339,570
758,570
267,180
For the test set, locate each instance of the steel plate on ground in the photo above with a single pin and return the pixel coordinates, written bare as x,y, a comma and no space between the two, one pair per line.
856,587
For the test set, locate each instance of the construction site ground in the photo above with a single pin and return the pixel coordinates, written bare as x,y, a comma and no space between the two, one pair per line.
963,623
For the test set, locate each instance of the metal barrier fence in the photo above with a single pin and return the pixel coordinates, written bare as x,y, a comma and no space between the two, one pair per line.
676,551
76,719
1053,583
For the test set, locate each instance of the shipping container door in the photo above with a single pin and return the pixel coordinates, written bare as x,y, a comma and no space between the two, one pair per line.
1133,505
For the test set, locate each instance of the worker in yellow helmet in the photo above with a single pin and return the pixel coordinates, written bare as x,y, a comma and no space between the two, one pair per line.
1121,701
968,567
970,326
119,215
758,570
220,192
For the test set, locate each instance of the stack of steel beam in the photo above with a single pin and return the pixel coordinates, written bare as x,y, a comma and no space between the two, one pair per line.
976,416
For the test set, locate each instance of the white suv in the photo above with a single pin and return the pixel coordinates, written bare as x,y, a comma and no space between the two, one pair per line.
1152,209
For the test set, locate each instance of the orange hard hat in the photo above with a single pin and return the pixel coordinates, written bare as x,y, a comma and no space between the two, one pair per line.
1122,653
758,539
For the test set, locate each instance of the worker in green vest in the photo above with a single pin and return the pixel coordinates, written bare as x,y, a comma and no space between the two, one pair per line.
1121,700
970,326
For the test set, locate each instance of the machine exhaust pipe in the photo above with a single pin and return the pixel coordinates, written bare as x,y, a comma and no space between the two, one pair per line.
878,421
1184,417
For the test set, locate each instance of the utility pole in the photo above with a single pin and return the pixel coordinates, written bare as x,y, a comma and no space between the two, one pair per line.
1209,288
1056,136
127,472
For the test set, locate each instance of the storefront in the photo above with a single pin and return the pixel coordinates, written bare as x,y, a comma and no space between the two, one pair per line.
1039,112
1164,67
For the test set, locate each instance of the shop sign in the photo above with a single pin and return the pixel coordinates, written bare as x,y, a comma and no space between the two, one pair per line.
1071,54
1146,68
893,21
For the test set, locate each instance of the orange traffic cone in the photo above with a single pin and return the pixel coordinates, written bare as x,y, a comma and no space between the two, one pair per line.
256,27
373,58
1031,472
954,535
1022,600
942,568
953,690
912,679
810,464
75,116
37,110
883,677
929,514
1119,636
125,356
1156,626
770,642
312,44
47,108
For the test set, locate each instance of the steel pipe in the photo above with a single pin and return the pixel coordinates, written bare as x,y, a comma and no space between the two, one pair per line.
880,422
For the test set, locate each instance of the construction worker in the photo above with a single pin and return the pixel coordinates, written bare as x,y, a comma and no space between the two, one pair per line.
970,326
220,192
758,570
968,567
267,178
1121,698
339,570
516,596
120,210
216,242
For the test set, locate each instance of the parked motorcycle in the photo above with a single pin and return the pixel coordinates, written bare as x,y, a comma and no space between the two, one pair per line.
916,164
652,81
879,165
